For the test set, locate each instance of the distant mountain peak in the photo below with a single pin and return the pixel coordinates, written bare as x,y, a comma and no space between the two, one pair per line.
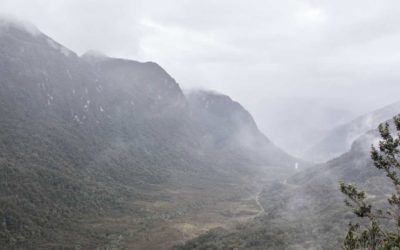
9,22
95,55
340,139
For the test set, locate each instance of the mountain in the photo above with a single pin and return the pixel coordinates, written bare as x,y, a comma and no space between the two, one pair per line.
230,125
106,152
340,139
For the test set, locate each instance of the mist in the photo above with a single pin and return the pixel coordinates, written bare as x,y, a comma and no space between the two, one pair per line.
260,53
195,125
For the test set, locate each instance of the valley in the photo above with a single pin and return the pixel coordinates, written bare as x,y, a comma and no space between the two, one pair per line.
109,153
180,214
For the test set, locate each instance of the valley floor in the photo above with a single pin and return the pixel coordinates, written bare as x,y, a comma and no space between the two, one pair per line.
183,213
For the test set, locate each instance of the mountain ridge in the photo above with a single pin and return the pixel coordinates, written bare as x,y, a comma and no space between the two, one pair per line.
340,139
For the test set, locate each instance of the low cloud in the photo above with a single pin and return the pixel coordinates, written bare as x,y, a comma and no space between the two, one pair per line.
251,50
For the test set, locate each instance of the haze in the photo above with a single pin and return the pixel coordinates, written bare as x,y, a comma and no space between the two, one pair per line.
331,55
190,125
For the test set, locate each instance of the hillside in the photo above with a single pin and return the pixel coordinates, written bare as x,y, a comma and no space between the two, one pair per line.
305,211
340,139
99,151
232,125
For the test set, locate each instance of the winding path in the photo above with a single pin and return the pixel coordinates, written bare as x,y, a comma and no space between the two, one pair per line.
257,199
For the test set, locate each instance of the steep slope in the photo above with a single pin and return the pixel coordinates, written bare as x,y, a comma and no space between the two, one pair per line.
339,140
231,125
98,151
63,155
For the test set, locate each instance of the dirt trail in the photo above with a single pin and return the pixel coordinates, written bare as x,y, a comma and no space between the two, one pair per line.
257,199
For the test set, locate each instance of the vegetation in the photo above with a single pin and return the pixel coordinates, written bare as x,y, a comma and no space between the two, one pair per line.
305,210
382,230
110,153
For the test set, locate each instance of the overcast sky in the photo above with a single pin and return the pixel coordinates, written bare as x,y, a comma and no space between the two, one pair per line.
346,51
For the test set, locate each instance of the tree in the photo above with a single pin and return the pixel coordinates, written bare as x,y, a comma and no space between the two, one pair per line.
380,228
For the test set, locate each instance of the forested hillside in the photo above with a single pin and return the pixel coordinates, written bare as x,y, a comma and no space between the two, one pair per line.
98,151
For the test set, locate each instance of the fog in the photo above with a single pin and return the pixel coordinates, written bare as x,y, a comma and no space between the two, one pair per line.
198,125
327,55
